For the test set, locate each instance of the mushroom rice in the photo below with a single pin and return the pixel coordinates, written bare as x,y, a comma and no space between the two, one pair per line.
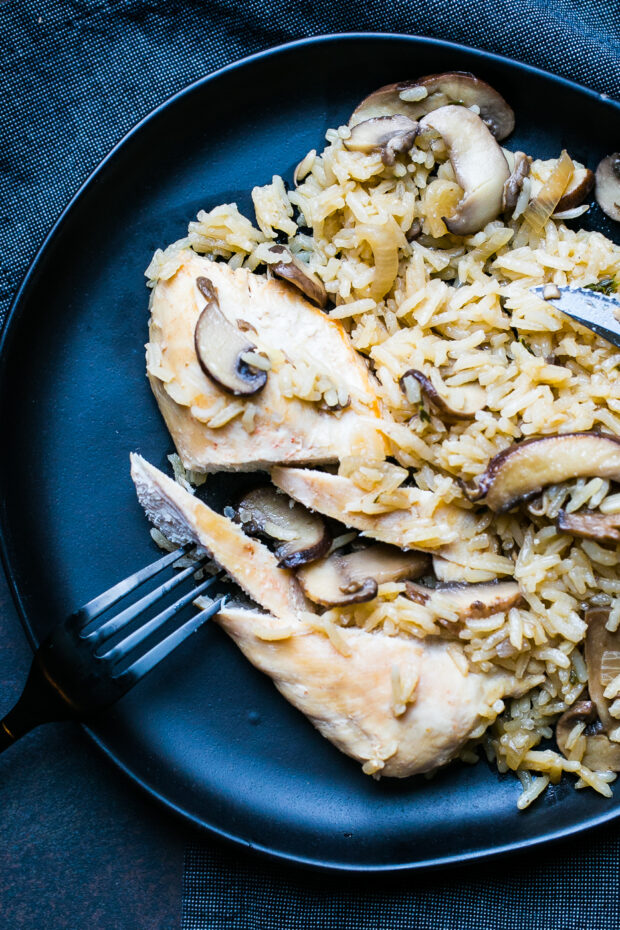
490,365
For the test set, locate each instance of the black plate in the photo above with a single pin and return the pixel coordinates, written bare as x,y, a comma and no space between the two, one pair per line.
206,733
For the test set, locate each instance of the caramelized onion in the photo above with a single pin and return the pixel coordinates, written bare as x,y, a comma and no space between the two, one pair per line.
539,210
383,240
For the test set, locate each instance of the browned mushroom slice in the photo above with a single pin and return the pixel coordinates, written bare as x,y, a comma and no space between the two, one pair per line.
353,578
600,755
220,348
479,165
608,186
581,712
300,536
297,273
578,189
416,98
605,527
388,135
519,171
463,402
602,654
520,472
470,600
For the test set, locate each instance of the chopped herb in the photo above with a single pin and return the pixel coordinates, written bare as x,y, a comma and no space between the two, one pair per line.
573,677
424,414
604,286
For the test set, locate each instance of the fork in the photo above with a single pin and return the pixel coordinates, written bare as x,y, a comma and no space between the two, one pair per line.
79,669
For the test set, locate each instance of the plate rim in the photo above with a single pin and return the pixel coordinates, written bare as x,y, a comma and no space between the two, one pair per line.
13,315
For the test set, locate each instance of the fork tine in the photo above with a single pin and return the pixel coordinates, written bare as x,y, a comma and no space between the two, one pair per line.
100,633
137,636
154,656
110,597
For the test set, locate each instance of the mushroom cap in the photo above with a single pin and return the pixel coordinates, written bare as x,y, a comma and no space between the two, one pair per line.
523,469
608,186
388,135
462,404
299,535
479,165
352,579
461,87
221,348
297,273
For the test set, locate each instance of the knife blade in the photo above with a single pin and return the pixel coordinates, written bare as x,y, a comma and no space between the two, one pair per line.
593,310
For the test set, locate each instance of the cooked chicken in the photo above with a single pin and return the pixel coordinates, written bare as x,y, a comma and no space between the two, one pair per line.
307,355
351,701
183,518
418,527
400,705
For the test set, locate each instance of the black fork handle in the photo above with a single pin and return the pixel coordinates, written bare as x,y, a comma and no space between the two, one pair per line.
40,702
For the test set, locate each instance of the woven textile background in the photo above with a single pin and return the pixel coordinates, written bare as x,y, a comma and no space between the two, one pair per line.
75,76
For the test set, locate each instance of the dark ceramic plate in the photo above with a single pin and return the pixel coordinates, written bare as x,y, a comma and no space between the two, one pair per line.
206,733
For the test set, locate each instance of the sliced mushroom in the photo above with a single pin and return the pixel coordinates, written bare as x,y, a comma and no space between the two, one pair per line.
607,190
417,98
605,527
520,472
414,230
470,600
601,755
354,578
462,404
519,171
300,536
602,654
296,272
479,165
220,347
578,189
389,135
581,712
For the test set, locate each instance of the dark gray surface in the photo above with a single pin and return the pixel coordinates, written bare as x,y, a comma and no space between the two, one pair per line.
80,846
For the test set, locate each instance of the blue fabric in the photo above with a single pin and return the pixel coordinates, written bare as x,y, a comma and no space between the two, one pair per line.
76,75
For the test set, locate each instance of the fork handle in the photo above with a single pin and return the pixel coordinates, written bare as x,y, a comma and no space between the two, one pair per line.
40,702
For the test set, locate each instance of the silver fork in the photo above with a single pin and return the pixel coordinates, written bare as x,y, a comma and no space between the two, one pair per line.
89,661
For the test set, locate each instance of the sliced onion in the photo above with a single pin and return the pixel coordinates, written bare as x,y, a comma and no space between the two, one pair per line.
384,242
542,206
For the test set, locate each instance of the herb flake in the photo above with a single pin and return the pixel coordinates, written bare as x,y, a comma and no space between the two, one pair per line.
606,286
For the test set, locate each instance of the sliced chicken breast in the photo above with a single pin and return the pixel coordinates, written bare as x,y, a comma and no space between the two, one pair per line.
351,698
420,526
213,430
183,518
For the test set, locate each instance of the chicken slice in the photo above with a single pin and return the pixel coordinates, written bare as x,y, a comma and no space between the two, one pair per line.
420,526
349,695
213,430
350,698
183,518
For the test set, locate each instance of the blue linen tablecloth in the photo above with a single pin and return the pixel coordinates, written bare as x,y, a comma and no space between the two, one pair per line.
76,75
